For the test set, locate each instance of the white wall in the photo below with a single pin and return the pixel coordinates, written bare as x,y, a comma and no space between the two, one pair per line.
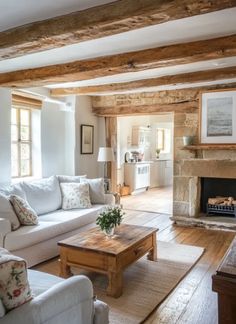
53,139
87,163
57,140
5,136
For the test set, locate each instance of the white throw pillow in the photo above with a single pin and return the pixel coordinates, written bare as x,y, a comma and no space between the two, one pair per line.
75,195
43,195
25,214
7,212
70,179
96,190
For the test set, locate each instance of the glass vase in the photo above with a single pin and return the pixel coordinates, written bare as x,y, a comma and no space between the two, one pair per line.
109,231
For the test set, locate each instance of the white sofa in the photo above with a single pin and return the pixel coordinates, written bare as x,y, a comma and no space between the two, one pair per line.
38,243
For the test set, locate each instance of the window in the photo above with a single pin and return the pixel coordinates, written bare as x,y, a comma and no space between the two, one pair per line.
21,146
163,140
160,137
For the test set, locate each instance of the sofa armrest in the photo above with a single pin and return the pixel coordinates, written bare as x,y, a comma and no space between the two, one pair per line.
5,227
69,301
109,199
101,315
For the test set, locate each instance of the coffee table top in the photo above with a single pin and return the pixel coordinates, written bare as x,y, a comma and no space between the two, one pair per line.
95,240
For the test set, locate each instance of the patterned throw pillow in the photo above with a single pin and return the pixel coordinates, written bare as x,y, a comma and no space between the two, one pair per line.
25,214
75,195
14,285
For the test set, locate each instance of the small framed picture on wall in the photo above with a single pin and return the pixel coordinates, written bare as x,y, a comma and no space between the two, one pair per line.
86,139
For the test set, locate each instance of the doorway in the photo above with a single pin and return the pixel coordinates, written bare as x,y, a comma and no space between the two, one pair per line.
145,162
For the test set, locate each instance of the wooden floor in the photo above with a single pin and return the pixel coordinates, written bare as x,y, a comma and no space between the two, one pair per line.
193,301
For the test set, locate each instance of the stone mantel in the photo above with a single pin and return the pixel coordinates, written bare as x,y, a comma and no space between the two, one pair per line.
209,168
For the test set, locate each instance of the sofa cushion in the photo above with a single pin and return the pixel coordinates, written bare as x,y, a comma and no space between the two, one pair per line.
66,178
96,190
51,225
25,214
75,195
14,285
15,189
6,211
43,195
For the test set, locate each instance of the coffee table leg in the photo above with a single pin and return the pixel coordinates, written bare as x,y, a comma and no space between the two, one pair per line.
64,268
115,284
152,255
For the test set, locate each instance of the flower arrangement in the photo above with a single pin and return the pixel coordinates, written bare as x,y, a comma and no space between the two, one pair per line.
109,218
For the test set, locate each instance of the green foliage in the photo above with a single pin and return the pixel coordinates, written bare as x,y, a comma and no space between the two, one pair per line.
110,217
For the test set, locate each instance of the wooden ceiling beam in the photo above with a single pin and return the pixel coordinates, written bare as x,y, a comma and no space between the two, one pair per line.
183,79
189,107
109,19
122,63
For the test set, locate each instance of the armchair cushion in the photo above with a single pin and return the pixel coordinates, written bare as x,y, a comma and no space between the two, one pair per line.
2,309
14,285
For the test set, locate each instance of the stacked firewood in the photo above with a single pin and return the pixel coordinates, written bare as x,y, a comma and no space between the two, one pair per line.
224,201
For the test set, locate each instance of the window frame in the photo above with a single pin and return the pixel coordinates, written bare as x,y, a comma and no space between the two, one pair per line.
19,141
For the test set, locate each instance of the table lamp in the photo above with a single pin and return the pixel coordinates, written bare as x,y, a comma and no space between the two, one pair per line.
105,155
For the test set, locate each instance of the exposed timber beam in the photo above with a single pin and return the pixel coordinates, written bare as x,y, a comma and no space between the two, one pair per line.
189,106
100,21
128,62
178,101
183,79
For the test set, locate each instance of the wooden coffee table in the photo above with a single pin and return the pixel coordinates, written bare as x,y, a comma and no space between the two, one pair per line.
92,250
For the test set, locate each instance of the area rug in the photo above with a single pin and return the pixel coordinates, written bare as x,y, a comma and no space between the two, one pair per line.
147,283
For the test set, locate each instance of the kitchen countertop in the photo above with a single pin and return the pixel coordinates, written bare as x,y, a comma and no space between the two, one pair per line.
148,162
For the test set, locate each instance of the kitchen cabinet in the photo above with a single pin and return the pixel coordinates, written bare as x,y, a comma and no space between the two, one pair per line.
141,136
137,176
161,173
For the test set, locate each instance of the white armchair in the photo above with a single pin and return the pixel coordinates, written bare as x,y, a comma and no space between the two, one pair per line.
59,301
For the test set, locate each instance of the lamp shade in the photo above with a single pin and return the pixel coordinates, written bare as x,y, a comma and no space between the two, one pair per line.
105,154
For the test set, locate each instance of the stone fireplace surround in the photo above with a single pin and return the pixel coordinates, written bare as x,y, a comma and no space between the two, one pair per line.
187,189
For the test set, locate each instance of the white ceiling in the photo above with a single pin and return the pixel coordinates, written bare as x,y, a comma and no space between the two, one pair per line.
15,13
206,26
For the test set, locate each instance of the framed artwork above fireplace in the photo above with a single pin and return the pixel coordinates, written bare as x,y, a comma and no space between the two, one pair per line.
218,117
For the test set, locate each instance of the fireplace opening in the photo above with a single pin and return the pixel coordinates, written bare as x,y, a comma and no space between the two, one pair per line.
218,196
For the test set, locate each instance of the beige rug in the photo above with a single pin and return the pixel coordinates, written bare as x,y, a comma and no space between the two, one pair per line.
147,283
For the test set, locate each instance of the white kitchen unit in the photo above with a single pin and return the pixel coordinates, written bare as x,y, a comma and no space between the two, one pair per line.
137,176
161,173
141,136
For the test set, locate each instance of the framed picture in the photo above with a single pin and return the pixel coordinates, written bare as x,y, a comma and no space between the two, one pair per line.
218,117
86,137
